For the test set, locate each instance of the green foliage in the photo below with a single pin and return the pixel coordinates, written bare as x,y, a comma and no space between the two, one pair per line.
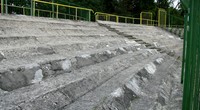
131,8
163,4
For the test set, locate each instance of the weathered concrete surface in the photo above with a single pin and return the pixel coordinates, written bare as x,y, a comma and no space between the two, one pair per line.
53,45
154,36
25,75
50,64
147,94
100,94
70,86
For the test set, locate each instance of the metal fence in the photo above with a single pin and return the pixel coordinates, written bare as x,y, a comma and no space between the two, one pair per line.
124,19
191,56
48,9
146,18
42,8
162,17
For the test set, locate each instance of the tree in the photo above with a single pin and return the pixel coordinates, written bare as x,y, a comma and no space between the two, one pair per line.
164,3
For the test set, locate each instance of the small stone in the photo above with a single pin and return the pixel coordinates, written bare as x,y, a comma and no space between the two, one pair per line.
159,61
61,65
1,56
121,50
147,71
46,70
118,92
66,65
133,86
38,76
150,68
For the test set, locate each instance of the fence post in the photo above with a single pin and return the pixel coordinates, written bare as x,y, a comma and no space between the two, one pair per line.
89,15
169,17
165,18
39,13
33,7
52,9
76,14
96,16
2,6
151,18
24,11
6,6
158,17
125,20
141,18
117,19
57,11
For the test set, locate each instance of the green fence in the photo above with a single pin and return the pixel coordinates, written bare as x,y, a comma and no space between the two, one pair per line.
162,17
175,20
191,56
42,8
146,18
47,8
55,10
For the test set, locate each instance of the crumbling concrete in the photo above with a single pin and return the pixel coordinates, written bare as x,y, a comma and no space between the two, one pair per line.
73,65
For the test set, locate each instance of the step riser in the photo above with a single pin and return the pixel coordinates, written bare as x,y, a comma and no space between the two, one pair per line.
66,94
6,42
122,97
24,76
45,21
66,49
5,25
152,36
32,51
46,32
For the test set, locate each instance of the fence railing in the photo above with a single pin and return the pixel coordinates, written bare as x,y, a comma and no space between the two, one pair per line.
146,18
43,8
61,11
124,19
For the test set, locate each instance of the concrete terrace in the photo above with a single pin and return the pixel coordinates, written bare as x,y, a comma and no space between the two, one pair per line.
55,64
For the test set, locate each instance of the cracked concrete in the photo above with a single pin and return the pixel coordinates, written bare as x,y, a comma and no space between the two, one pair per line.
75,65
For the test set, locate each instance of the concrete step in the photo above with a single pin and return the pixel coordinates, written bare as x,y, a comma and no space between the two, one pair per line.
139,30
58,48
98,96
165,88
20,72
8,28
48,31
149,34
114,24
16,41
145,90
23,41
23,24
57,92
29,19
